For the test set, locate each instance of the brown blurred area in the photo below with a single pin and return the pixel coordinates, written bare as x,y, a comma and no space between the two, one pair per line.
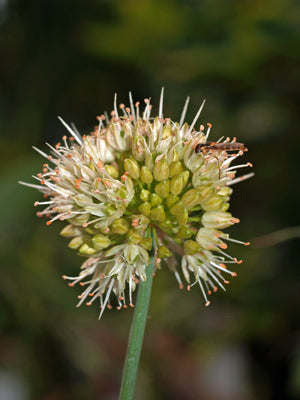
68,58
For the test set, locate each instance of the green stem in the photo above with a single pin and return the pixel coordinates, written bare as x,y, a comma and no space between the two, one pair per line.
137,333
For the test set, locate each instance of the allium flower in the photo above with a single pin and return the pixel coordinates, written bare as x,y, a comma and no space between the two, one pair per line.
136,184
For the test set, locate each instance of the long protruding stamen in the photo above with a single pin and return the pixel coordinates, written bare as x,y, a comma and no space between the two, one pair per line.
240,179
106,298
196,117
161,102
74,134
132,106
182,118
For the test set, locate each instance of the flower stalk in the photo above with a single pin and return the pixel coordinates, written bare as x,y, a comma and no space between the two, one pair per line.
136,335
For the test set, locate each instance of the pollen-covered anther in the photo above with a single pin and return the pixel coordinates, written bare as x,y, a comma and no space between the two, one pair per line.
48,223
188,288
109,306
207,303
223,246
233,274
247,244
89,303
215,289
36,203
131,305
235,220
70,284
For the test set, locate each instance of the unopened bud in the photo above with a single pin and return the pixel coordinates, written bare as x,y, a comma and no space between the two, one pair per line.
146,243
145,208
158,214
112,171
191,198
146,175
76,242
182,218
80,219
120,226
171,200
145,195
100,241
155,200
87,250
162,189
217,219
175,168
70,231
176,185
191,247
212,203
167,131
177,209
163,252
132,167
161,170
134,237
183,233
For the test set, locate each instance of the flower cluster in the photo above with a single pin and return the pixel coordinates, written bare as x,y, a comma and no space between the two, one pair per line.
136,185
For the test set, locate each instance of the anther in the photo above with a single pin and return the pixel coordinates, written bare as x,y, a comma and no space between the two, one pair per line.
233,274
247,244
207,303
36,203
188,288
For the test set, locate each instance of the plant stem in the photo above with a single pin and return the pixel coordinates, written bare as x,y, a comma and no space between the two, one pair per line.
137,333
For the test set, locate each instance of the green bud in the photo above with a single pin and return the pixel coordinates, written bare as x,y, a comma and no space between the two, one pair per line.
112,171
191,247
224,191
155,200
163,252
134,237
225,207
145,195
100,241
176,185
146,175
120,226
145,208
161,170
110,210
132,167
177,209
70,231
182,218
213,203
167,131
205,191
146,243
218,219
162,189
87,250
185,175
91,230
76,242
158,214
175,168
191,198
171,200
183,233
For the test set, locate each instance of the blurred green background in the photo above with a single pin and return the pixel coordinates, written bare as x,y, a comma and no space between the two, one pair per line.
68,58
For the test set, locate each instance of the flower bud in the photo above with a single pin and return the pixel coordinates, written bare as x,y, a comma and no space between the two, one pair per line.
191,198
175,168
145,195
191,247
87,250
171,200
132,167
76,242
146,243
146,175
176,185
225,191
120,226
70,231
182,218
167,131
218,219
177,209
212,203
134,237
161,170
163,252
225,207
183,233
112,171
158,214
162,189
100,241
145,208
155,200
207,238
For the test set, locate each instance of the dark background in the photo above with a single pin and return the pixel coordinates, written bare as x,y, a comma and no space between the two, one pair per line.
68,58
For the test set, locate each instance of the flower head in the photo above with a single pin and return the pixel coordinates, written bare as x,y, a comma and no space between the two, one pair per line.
138,184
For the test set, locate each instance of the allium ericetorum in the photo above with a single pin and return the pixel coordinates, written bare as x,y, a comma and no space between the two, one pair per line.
135,185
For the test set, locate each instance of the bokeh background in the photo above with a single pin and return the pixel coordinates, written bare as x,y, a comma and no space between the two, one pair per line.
68,58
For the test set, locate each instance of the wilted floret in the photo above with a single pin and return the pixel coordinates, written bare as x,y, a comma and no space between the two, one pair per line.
136,185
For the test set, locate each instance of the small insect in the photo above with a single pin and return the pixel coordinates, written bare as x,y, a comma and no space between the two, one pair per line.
207,146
